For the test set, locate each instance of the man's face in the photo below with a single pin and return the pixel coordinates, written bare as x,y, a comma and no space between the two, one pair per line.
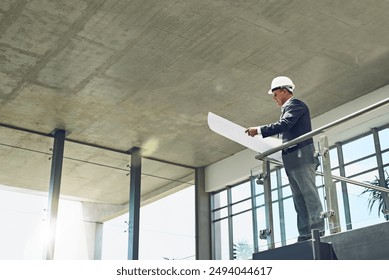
280,96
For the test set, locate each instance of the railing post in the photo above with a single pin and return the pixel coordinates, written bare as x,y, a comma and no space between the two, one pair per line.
254,212
316,244
331,196
268,202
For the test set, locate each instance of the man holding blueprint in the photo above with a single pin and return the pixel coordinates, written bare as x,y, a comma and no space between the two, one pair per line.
299,161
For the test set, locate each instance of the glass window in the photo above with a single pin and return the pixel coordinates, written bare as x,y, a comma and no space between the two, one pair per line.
290,221
273,180
241,192
261,221
319,180
384,136
359,207
341,207
336,172
242,206
355,192
284,177
166,233
274,195
359,148
367,177
24,183
260,200
221,240
23,229
258,188
322,193
243,235
220,199
334,161
70,220
286,191
276,224
219,214
360,166
115,238
385,158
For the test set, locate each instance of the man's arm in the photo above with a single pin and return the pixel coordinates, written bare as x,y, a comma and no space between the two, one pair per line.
292,114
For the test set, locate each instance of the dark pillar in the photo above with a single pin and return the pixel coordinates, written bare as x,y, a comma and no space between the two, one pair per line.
134,204
54,189
203,217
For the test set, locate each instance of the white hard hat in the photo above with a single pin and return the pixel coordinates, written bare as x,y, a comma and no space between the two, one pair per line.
281,82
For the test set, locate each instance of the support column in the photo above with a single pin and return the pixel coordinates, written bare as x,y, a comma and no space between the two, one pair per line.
134,204
54,189
98,248
203,217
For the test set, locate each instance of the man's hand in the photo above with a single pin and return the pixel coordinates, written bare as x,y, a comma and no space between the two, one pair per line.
252,131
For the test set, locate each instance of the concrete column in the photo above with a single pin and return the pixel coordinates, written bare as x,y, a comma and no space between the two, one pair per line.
98,249
93,239
203,217
94,216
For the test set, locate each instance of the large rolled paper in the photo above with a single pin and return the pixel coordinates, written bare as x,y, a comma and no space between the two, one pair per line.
237,134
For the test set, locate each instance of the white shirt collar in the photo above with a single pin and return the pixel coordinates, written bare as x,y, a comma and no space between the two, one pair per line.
286,103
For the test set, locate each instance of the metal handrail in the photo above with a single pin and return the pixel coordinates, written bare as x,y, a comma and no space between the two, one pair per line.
357,183
342,179
321,129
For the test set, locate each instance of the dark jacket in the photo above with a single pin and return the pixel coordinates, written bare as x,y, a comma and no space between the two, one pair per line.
294,122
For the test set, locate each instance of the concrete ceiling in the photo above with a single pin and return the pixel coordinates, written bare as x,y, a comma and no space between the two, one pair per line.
121,73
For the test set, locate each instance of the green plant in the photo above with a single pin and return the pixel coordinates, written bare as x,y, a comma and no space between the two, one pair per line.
243,250
376,196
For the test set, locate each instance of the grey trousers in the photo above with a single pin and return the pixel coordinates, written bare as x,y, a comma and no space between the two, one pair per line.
306,198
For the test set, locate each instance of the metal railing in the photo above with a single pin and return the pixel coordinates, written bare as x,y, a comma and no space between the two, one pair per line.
322,129
357,183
